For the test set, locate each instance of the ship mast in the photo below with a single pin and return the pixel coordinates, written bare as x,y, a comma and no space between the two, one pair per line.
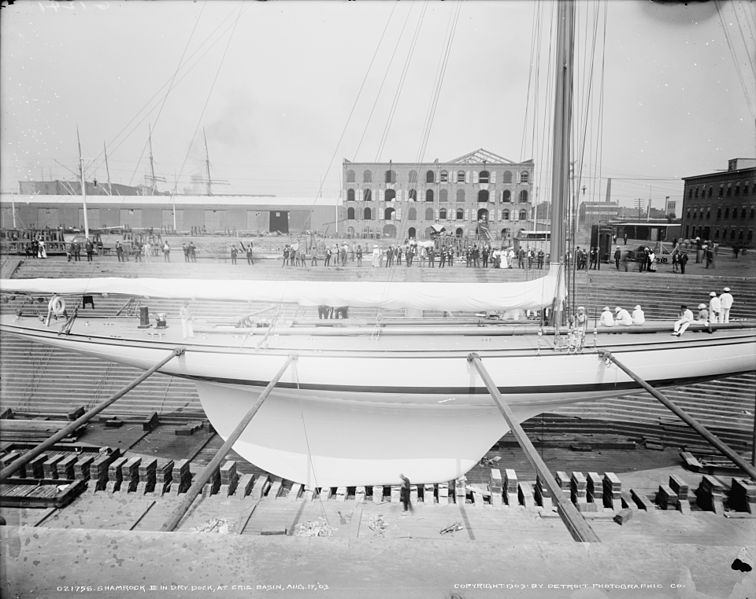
83,186
560,177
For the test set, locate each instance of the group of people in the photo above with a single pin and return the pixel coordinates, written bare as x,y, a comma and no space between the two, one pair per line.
73,250
620,316
716,311
242,249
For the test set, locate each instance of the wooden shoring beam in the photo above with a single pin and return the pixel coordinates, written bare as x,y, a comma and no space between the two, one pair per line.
576,524
65,431
172,523
689,420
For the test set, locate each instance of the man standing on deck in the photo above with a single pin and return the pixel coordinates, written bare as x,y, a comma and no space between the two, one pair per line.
715,308
617,256
726,301
405,493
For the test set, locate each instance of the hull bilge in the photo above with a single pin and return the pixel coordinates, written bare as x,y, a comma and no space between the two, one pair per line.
361,409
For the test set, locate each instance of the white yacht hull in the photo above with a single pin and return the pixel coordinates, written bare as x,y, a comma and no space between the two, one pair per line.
361,409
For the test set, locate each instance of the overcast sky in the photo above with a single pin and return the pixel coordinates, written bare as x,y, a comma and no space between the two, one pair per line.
274,85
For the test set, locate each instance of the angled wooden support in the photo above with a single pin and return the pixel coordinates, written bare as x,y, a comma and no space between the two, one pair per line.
690,421
574,521
172,523
49,442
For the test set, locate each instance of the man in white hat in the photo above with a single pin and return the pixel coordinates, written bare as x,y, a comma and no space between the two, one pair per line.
703,317
715,308
686,317
638,316
725,299
622,316
606,319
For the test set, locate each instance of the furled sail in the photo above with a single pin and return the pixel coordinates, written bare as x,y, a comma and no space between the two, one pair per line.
521,295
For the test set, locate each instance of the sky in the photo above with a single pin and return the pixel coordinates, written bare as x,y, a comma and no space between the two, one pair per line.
284,91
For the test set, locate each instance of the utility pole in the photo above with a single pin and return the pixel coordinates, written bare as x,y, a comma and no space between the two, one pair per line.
107,168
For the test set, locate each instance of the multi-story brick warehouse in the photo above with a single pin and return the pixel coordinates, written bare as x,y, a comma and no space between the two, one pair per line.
721,206
479,194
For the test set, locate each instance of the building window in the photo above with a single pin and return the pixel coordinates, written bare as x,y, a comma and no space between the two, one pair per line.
483,195
732,234
743,213
367,177
523,215
506,196
413,176
390,195
711,189
460,176
690,193
460,195
484,177
367,214
350,195
727,213
350,213
708,213
444,176
696,194
750,236
737,189
524,196
430,177
729,190
524,176
443,195
367,195
719,213
390,176
507,177
413,195
745,189
460,214
388,214
442,214
716,234
505,215
350,176
428,195
429,214
412,214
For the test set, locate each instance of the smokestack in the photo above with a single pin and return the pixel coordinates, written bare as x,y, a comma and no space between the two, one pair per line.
608,190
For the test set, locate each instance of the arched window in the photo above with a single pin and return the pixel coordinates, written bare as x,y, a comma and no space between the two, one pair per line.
350,195
388,214
743,213
367,177
460,214
429,214
506,177
523,215
483,195
750,236
716,234
413,176
428,195
711,189
690,193
367,195
524,176
390,176
413,195
350,213
506,196
412,214
732,234
729,190
483,215
460,176
719,213
350,176
737,189
708,213
505,215
390,195
442,214
727,213
695,195
460,195
367,214
430,177
444,176
524,196
443,195
484,177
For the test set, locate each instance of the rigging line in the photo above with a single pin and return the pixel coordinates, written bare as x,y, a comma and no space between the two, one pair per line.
736,65
454,19
743,38
378,95
546,150
139,161
212,85
356,100
402,79
535,56
533,45
147,106
600,157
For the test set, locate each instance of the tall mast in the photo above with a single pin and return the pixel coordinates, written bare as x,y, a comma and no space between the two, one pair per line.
107,168
560,177
207,165
152,162
83,186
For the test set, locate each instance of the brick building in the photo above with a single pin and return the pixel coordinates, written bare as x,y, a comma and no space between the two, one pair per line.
721,206
479,195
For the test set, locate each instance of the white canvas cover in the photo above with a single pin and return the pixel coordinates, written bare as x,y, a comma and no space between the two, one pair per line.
534,294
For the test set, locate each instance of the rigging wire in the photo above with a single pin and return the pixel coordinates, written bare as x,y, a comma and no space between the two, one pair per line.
354,104
400,86
736,64
242,8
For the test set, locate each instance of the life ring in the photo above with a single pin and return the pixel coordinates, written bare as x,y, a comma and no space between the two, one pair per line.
58,306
